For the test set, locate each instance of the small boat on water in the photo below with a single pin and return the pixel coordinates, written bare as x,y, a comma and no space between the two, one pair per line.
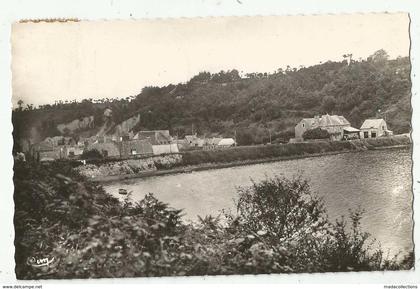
122,191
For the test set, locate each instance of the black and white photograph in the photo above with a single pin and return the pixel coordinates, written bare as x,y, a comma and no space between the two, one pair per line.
212,146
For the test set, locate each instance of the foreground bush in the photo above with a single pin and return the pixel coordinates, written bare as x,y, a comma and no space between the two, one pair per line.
279,226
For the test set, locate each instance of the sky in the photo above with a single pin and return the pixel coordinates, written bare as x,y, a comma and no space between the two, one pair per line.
99,59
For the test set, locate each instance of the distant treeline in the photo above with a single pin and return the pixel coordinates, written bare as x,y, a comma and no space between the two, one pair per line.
254,105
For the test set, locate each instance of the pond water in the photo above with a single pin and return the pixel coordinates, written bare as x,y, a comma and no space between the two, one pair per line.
380,182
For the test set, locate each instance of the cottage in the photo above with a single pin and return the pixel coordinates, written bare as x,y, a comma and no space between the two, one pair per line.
372,128
226,142
194,141
334,124
156,137
136,147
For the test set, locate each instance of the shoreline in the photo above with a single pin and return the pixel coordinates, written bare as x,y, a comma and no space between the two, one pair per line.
212,166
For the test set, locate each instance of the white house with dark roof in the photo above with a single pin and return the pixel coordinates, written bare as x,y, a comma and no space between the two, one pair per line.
334,124
372,128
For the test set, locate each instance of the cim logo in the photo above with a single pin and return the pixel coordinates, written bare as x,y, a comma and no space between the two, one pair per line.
34,262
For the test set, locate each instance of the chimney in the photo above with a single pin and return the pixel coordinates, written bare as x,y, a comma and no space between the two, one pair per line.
316,122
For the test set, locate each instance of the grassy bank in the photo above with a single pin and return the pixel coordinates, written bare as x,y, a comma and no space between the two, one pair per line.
112,170
280,226
286,150
262,152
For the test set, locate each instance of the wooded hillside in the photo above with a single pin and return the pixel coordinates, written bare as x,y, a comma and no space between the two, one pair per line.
251,104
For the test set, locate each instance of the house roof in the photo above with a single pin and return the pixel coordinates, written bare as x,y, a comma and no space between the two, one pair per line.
212,141
351,129
154,136
141,146
331,120
226,142
372,123
43,146
190,137
327,120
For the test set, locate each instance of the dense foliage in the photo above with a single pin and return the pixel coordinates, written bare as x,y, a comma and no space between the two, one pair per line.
279,226
254,105
316,133
92,154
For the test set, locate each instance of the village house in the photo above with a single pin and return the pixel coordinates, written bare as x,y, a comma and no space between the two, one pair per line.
84,142
165,149
136,147
226,142
156,137
161,141
125,136
45,151
182,144
372,128
105,139
194,140
334,124
211,143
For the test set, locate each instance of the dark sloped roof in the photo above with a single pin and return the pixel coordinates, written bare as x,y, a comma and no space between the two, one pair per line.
154,136
326,120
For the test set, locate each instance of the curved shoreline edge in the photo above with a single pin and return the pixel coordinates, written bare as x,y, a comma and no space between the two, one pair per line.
221,165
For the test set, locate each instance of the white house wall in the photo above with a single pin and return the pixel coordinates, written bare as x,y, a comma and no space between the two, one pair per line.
165,149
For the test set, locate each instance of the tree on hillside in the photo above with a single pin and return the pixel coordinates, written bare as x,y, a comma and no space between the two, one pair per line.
379,56
244,137
328,103
20,104
201,77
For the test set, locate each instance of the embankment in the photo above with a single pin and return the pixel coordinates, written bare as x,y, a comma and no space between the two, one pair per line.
203,160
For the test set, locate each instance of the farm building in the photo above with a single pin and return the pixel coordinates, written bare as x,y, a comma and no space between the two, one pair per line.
334,124
372,128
